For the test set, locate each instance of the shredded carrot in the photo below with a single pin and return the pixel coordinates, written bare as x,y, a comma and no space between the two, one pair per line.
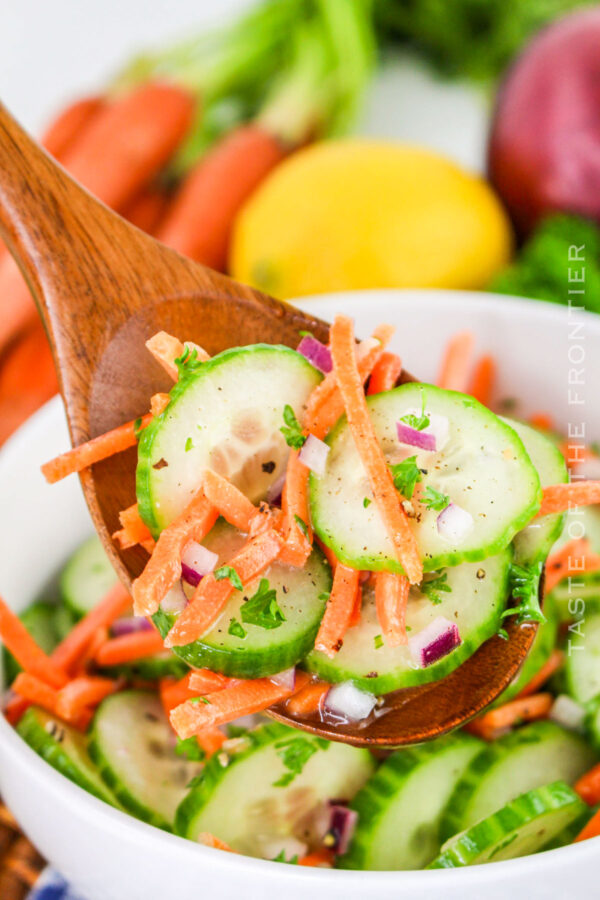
166,349
173,692
209,840
41,694
385,495
356,614
588,786
482,380
70,651
320,858
133,530
212,594
561,497
128,647
294,503
542,420
81,693
228,500
158,404
573,558
243,699
101,636
15,708
211,740
94,451
308,700
28,654
454,371
554,662
338,612
385,374
524,709
592,829
203,681
164,566
391,597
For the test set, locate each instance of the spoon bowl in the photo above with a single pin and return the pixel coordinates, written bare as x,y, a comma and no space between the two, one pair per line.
102,289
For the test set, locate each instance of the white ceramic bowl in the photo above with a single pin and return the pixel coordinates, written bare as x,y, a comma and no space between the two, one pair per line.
109,855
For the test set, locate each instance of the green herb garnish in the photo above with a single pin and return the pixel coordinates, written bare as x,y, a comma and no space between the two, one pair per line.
292,430
189,445
188,362
293,860
230,573
190,749
366,502
137,428
435,499
406,475
301,525
295,753
236,629
417,422
196,700
378,641
435,587
262,608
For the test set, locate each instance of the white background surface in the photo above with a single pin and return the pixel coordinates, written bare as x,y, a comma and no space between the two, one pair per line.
53,50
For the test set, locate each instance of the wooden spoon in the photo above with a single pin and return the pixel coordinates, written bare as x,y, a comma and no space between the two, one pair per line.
103,288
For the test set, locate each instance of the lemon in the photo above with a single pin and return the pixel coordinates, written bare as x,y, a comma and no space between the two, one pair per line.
355,213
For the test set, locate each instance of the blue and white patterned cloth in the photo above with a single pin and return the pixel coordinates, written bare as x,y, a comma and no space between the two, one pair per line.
52,886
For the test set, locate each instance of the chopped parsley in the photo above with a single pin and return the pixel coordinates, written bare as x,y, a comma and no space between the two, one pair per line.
295,753
378,641
230,573
301,525
190,749
435,499
188,361
292,430
306,334
262,609
137,428
417,422
293,860
197,700
435,587
502,633
406,475
524,582
189,445
236,629
366,502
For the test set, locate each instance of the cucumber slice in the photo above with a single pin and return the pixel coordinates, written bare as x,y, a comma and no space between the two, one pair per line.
399,809
592,722
516,763
239,799
225,415
87,577
262,651
535,541
525,825
65,749
40,621
582,667
475,602
541,650
132,745
151,668
483,467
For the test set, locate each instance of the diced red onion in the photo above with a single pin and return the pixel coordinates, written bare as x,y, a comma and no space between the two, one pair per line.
342,824
175,601
129,625
454,522
566,712
348,701
196,562
316,353
314,454
438,427
276,489
438,639
285,679
415,438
